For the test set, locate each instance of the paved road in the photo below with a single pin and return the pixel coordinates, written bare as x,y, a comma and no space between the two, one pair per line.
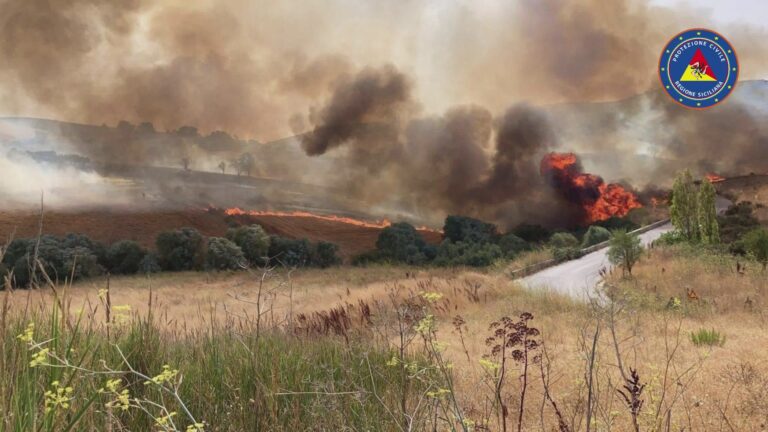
577,278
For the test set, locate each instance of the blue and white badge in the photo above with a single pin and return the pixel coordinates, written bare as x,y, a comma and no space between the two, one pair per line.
698,68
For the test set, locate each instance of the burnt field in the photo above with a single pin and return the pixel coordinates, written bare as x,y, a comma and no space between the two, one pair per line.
109,225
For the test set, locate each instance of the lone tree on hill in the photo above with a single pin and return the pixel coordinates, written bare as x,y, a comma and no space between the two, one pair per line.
222,166
625,250
709,231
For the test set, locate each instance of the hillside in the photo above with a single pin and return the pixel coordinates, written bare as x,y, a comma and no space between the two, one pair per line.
110,225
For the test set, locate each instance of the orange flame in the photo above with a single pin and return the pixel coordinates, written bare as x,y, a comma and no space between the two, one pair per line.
383,223
714,178
599,200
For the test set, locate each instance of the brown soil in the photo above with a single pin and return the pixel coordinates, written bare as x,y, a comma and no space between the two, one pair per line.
110,225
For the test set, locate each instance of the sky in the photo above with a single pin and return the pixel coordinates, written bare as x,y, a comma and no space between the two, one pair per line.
752,12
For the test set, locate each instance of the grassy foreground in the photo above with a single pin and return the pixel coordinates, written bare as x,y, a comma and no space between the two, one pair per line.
678,347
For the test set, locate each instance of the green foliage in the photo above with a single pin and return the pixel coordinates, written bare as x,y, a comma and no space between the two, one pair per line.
709,232
756,244
253,241
73,256
512,245
566,253
150,263
400,242
671,238
625,250
80,262
532,233
563,240
223,254
325,255
618,223
684,208
276,376
737,221
469,230
124,257
467,253
289,252
181,249
704,337
594,235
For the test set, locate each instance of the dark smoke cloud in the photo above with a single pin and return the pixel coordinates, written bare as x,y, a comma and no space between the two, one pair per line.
447,164
248,68
373,99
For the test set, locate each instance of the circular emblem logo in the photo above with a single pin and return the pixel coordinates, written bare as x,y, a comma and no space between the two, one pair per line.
698,68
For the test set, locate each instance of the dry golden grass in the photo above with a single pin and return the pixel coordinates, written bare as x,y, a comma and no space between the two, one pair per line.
688,388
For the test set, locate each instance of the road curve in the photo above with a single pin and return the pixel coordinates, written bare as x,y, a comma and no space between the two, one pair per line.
577,278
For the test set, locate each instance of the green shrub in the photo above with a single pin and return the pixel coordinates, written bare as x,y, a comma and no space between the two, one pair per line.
670,238
124,257
756,244
594,235
253,241
72,240
223,254
737,221
181,249
625,250
79,262
566,253
150,263
325,255
512,245
466,253
618,223
400,242
704,337
469,230
563,240
289,252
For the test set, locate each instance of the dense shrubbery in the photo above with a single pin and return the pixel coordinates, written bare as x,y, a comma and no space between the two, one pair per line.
467,253
467,242
594,235
181,249
77,256
325,255
223,254
563,240
253,241
469,230
566,253
125,257
289,252
512,245
400,242
73,256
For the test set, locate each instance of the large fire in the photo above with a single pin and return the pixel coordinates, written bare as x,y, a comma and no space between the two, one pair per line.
383,223
599,200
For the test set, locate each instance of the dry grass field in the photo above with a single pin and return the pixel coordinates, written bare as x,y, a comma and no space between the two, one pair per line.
585,353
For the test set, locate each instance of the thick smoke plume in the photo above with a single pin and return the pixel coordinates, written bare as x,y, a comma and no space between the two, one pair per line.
457,121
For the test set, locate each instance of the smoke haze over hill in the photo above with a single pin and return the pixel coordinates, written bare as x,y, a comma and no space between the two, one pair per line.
430,107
